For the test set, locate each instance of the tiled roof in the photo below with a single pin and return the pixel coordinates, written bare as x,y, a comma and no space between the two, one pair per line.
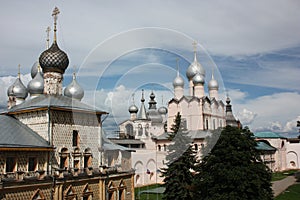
14,134
267,135
54,101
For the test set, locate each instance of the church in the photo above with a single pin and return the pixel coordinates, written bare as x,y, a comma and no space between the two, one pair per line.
147,131
53,145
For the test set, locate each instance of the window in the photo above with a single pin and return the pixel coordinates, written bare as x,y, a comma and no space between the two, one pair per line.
75,138
196,147
206,124
32,164
214,124
165,147
159,148
10,164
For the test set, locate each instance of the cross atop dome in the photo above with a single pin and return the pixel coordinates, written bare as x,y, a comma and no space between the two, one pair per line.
54,14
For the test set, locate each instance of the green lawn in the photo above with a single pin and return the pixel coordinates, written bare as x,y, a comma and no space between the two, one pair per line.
292,193
140,196
276,176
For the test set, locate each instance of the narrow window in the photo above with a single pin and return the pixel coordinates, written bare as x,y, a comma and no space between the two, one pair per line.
75,138
10,164
196,147
32,164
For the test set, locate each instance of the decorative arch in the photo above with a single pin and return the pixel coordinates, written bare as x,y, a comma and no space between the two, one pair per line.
129,130
70,193
139,166
87,192
64,158
292,159
121,190
38,195
87,158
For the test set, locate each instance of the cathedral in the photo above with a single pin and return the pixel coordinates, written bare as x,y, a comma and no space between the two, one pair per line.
147,131
53,145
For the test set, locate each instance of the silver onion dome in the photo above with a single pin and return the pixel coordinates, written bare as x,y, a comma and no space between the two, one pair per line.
178,82
133,109
74,90
154,116
10,91
163,110
198,79
17,89
195,68
213,84
34,69
36,85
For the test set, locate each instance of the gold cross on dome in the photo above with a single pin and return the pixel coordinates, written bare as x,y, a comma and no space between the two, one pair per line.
48,31
195,46
55,13
19,70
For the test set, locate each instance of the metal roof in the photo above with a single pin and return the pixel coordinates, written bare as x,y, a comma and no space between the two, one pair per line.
267,135
14,134
264,146
54,102
126,141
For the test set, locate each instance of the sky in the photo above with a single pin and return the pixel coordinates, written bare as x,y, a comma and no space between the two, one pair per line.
118,48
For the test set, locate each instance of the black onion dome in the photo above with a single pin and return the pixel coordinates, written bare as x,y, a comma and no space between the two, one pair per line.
54,60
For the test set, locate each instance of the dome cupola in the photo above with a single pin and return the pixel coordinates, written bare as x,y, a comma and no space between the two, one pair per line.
18,89
198,79
36,85
213,84
74,90
54,59
195,66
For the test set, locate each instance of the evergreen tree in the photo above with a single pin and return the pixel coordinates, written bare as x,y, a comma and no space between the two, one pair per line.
178,177
233,170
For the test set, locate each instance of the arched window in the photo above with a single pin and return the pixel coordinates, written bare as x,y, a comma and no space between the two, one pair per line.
159,147
87,158
165,147
64,157
129,130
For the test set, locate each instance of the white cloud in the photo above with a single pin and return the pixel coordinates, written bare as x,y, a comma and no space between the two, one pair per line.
246,116
272,112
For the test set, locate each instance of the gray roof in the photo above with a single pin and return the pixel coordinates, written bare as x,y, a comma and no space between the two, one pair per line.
109,145
14,134
199,134
54,101
196,134
126,141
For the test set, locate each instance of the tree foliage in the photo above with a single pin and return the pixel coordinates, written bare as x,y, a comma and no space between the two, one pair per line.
233,170
178,177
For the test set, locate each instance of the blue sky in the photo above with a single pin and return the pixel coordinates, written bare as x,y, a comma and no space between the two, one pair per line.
121,47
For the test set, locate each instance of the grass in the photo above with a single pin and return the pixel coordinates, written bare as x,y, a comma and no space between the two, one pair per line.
276,176
292,193
147,196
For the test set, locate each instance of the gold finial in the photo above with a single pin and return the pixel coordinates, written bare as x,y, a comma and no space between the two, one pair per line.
48,31
39,66
19,71
54,14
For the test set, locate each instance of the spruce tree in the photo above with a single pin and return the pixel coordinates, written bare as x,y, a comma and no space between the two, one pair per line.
178,177
233,170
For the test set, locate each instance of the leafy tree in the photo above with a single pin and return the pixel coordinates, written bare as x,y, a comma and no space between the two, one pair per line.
178,177
233,170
